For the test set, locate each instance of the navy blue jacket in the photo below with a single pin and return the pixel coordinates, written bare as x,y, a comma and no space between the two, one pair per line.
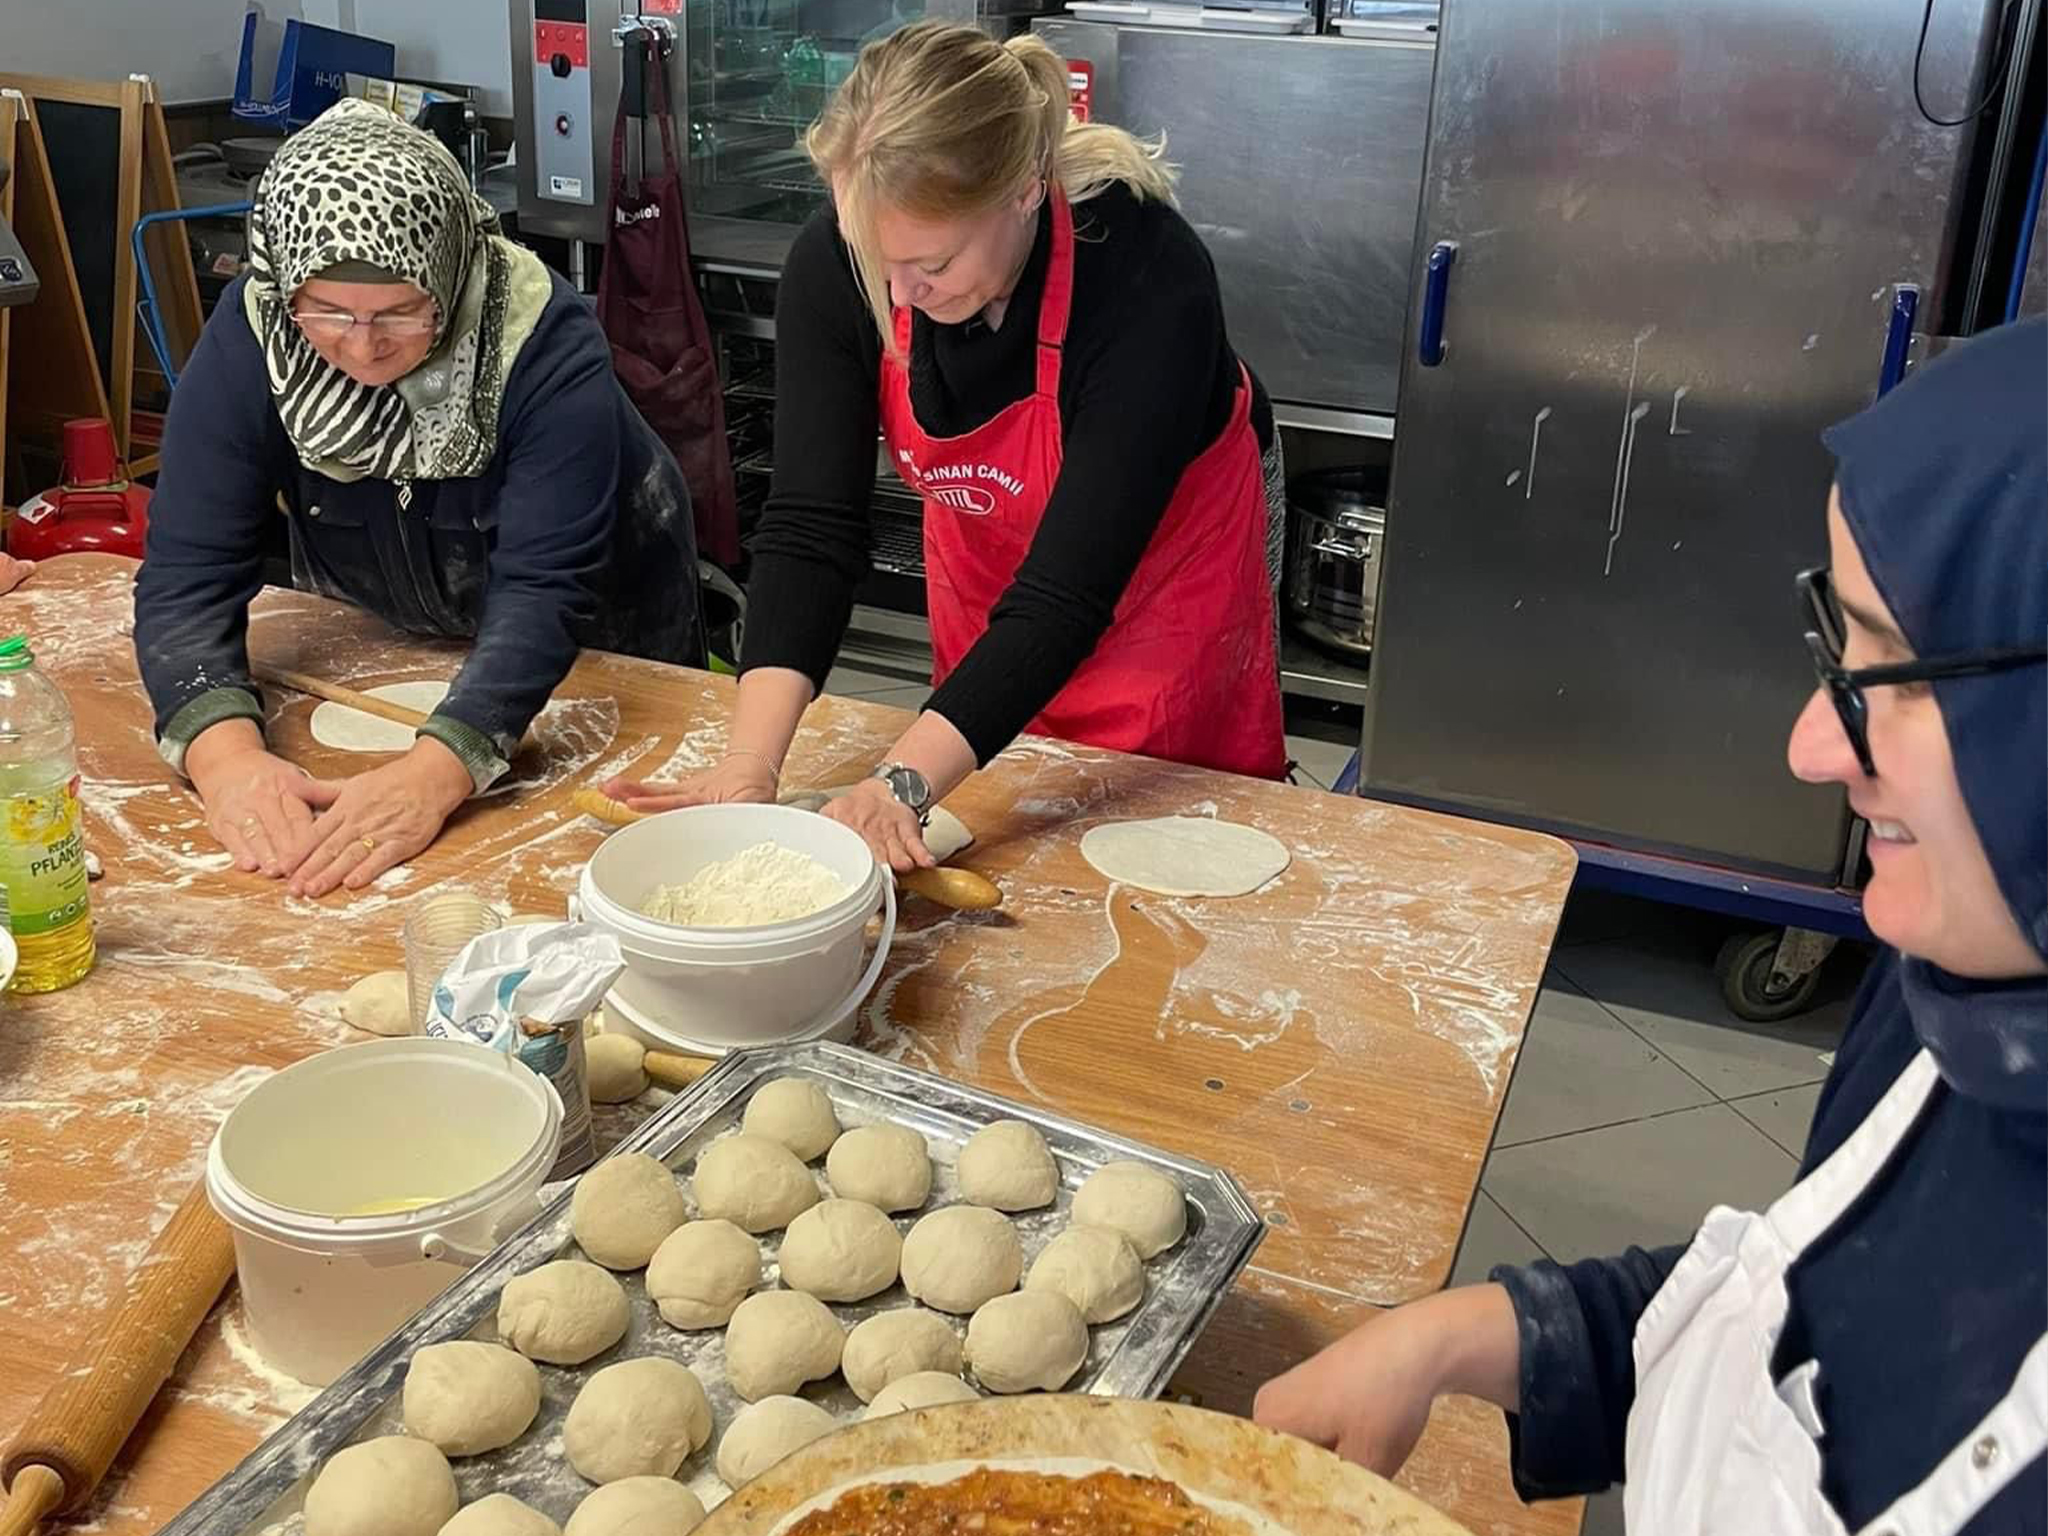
578,534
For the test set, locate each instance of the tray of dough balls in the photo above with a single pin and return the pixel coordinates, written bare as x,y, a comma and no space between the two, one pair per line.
809,1236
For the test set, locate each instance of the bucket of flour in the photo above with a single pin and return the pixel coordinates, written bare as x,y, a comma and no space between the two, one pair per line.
712,988
360,1183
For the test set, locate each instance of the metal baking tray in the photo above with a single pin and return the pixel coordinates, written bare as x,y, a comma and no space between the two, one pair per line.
1132,1357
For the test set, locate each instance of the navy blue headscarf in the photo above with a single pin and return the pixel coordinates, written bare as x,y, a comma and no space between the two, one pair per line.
1944,484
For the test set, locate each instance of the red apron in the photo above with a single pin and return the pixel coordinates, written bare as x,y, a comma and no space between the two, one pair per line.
1186,669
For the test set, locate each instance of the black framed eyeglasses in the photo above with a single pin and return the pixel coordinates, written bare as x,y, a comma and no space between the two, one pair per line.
1828,635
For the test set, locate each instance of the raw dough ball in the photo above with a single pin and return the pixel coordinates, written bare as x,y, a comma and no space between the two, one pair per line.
1008,1165
701,1271
1026,1342
892,1345
380,1003
960,1257
779,1340
794,1111
468,1397
926,1389
639,1418
624,1207
765,1433
841,1250
1095,1268
614,1066
563,1312
1136,1200
888,1166
752,1182
391,1486
499,1514
637,1506
1185,855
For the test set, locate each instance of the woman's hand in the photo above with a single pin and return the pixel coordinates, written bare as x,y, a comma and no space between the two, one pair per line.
742,777
381,818
1368,1396
891,828
14,572
259,806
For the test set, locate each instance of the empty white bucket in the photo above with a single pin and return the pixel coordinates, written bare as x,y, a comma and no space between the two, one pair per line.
715,989
360,1183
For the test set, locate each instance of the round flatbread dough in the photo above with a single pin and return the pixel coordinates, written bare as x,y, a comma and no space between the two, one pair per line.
888,1166
1136,1200
841,1250
701,1271
777,1341
468,1397
337,725
1029,1341
794,1111
499,1514
752,1182
380,1004
1007,1165
639,1418
563,1312
624,1207
615,1066
926,1389
765,1433
1095,1268
637,1506
960,1257
892,1345
391,1486
1185,855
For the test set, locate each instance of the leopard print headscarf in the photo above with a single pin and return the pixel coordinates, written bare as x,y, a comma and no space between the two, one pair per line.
356,184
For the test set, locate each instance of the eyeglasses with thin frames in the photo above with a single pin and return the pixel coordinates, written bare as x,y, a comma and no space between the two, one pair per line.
1827,637
333,324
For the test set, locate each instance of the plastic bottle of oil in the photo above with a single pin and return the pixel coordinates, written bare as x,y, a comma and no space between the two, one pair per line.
42,850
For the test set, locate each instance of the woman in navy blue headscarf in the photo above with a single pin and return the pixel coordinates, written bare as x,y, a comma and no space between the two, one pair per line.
1869,1353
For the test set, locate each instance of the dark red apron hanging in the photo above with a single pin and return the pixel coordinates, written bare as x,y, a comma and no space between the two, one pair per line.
661,347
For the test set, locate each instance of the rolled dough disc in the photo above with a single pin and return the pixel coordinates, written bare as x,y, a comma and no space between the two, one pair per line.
336,725
1185,855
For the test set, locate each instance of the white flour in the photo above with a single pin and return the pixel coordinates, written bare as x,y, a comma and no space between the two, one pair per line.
766,883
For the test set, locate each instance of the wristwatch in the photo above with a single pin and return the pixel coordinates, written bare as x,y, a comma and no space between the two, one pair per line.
910,788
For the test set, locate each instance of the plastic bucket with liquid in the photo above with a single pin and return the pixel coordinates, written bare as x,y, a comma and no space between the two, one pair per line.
360,1183
717,989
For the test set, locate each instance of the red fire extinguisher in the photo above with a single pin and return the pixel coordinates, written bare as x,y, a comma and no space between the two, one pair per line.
96,510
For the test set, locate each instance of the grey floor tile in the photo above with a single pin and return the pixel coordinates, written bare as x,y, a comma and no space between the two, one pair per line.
1664,989
1646,1182
1603,1515
1581,1067
1320,760
909,696
854,683
1785,1116
1490,1238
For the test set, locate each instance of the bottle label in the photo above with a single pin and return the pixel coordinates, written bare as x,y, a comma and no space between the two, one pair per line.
42,860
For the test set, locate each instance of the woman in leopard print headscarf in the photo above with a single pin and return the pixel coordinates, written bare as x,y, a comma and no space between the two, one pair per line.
436,415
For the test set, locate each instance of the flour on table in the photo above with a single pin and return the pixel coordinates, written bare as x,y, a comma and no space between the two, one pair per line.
1185,855
766,883
336,725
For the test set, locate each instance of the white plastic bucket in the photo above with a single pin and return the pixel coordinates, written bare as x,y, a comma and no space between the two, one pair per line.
318,1169
717,989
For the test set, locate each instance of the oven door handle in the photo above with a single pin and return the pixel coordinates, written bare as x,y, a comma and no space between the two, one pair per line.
1436,285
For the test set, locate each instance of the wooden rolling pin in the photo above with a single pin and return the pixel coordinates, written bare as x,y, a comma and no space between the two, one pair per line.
961,889
71,1439
672,1069
334,693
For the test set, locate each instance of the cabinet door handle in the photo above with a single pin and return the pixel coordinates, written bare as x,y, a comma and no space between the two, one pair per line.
1898,336
1436,284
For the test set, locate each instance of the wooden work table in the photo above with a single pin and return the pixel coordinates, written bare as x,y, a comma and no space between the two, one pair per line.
1341,1040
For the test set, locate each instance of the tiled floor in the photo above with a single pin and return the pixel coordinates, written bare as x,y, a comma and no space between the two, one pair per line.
1639,1100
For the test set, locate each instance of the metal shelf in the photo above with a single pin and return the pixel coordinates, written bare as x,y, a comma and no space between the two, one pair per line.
1312,673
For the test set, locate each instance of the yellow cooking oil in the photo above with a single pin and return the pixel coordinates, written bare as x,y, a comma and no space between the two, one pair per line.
43,887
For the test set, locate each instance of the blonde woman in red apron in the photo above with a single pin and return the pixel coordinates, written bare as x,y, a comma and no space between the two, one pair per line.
1010,298
1869,1353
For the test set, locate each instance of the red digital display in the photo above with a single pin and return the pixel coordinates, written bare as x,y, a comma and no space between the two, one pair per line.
571,39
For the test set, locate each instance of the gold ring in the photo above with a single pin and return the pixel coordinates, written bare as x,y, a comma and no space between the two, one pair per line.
251,823
369,844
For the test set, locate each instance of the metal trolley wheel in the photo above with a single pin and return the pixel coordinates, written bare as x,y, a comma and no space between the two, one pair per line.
1772,975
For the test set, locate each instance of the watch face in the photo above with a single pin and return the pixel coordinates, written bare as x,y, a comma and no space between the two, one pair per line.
910,786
